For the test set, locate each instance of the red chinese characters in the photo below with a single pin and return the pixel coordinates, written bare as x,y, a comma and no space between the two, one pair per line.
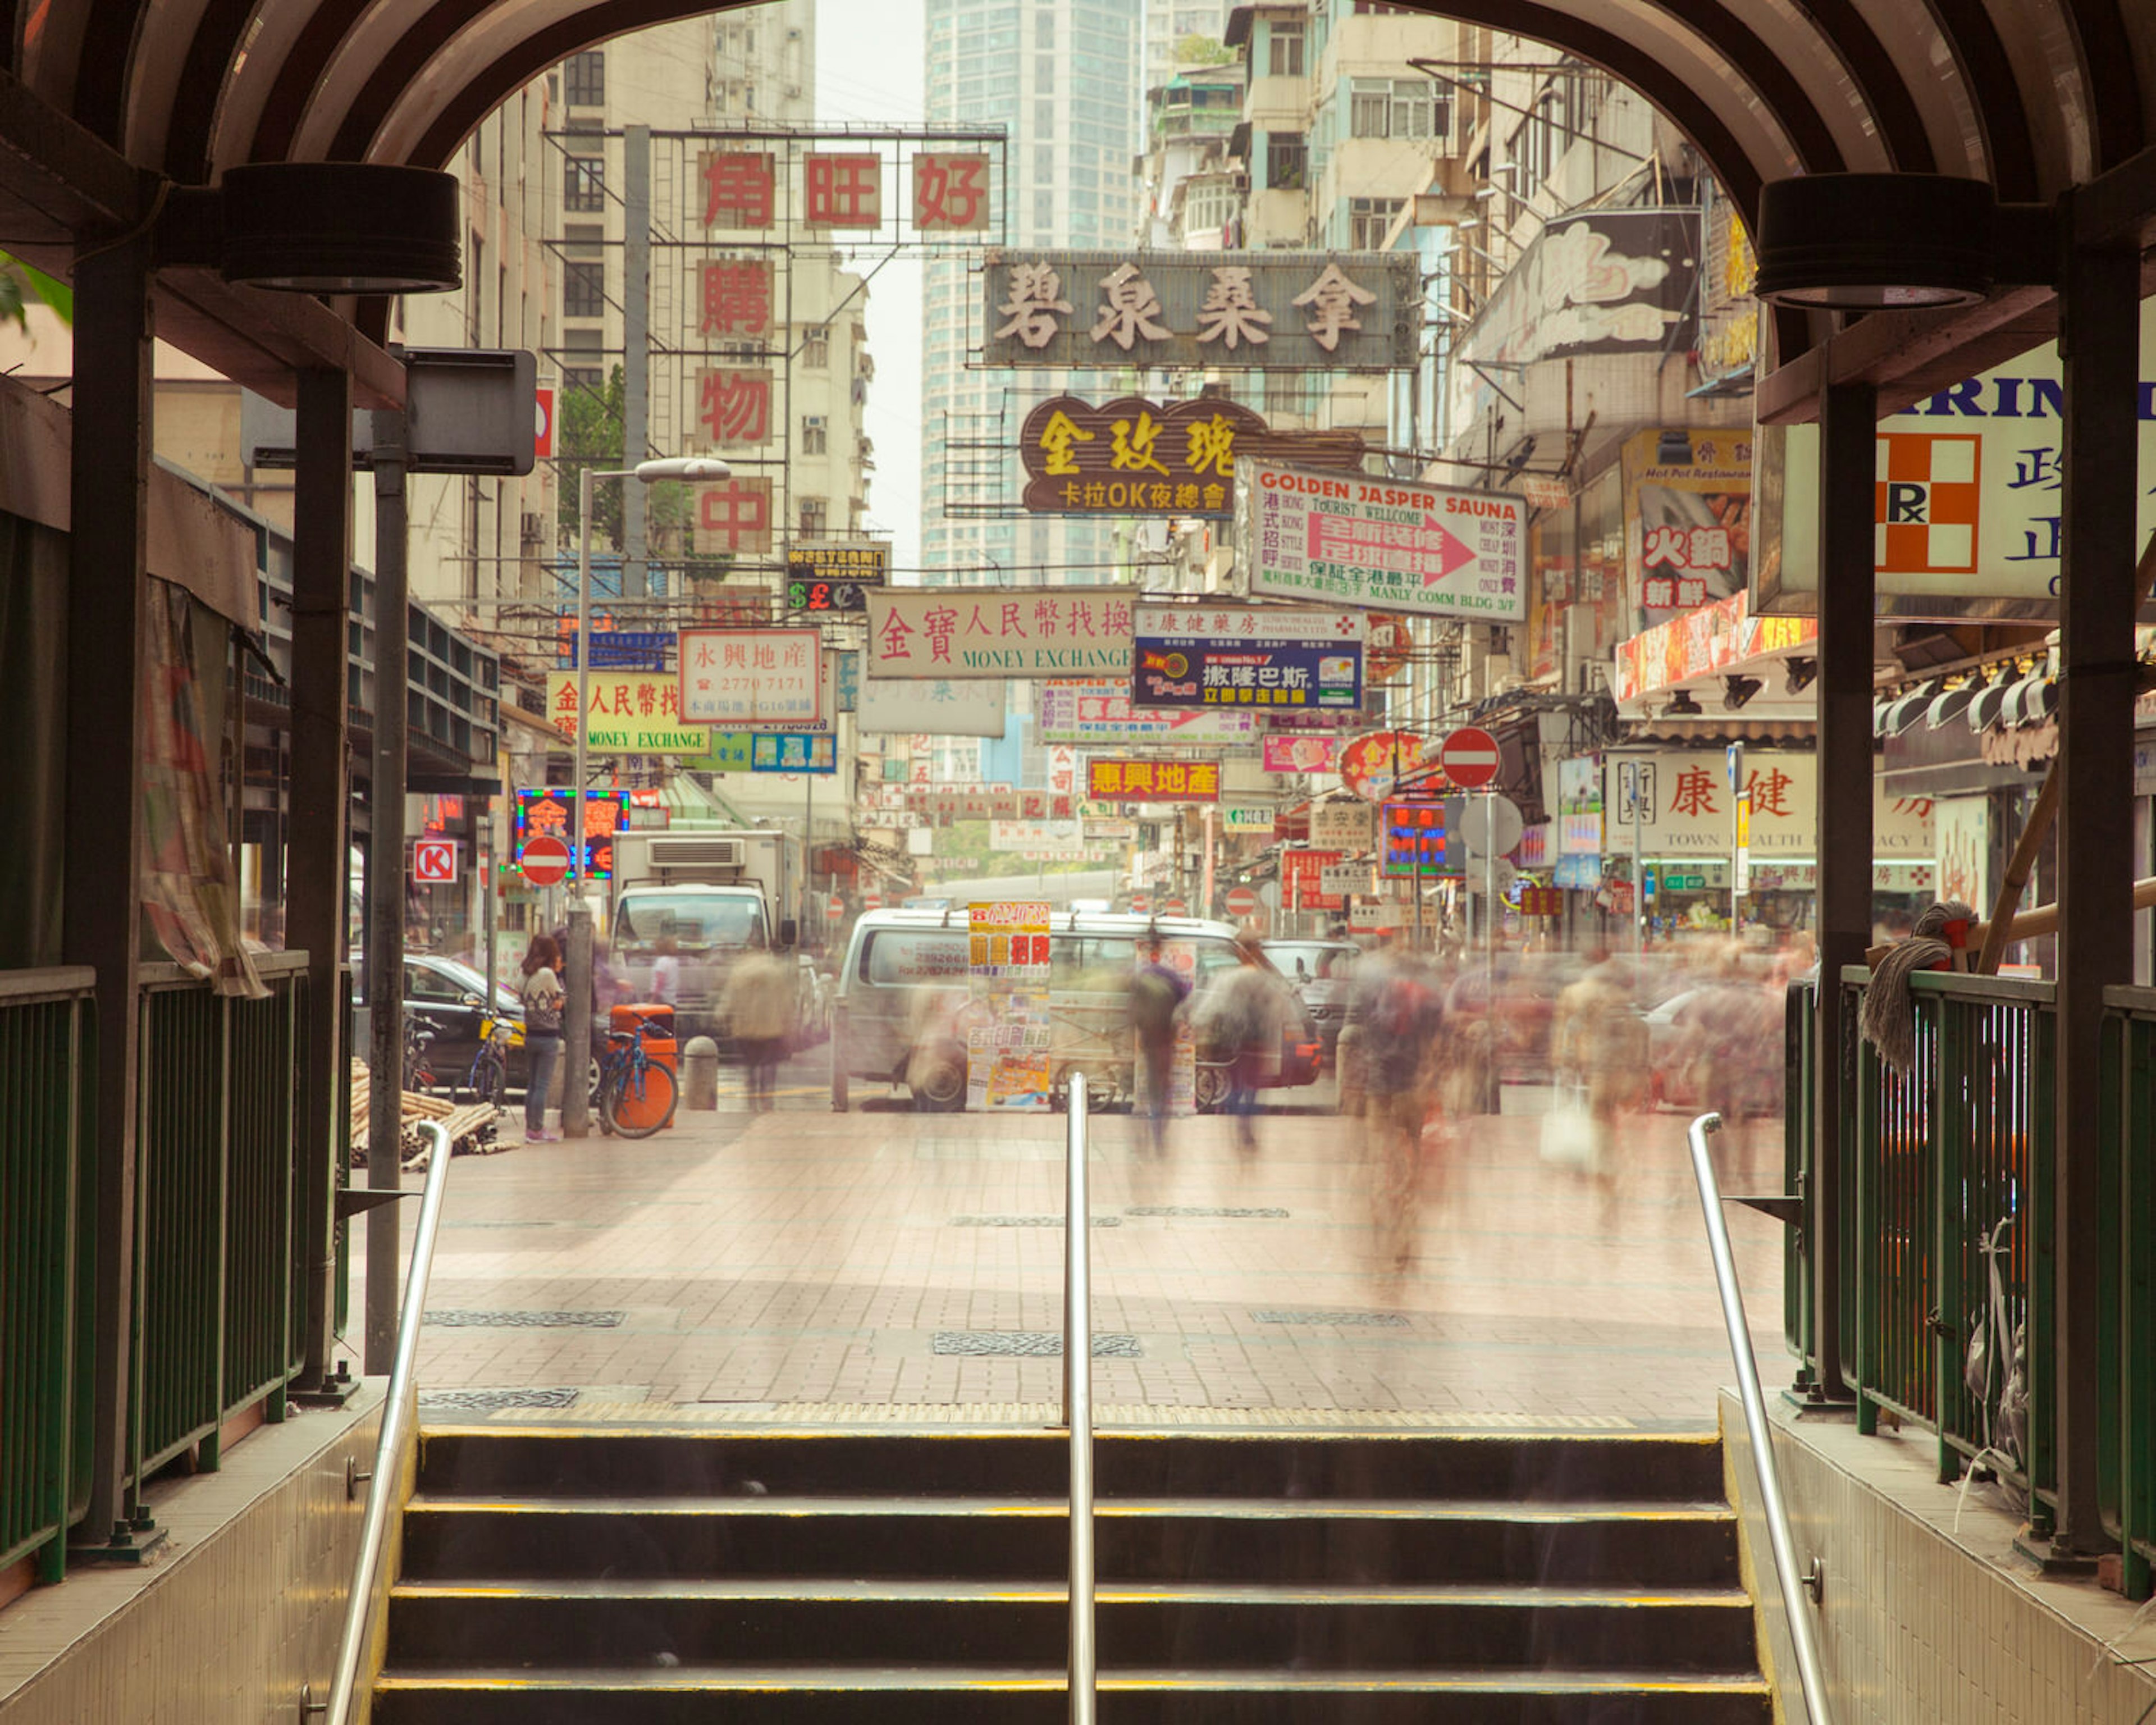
739,188
950,194
843,191
734,408
736,299
734,516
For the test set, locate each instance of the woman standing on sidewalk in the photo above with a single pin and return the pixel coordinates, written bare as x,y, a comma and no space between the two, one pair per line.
542,1033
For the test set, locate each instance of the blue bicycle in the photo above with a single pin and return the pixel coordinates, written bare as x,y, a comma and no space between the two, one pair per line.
637,1095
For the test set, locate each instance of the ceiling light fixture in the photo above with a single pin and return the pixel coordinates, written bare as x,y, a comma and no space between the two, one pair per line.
1737,691
1798,677
1682,705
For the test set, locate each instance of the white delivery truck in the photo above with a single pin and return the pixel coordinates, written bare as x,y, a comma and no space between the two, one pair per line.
715,895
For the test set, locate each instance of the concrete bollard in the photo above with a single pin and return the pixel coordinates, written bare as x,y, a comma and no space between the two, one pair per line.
700,1073
1347,1070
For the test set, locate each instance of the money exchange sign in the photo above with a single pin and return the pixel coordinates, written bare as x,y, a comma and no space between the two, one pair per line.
631,713
1243,656
1133,456
1388,544
835,577
1000,632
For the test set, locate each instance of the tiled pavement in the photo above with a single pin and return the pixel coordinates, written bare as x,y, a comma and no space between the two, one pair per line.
805,1266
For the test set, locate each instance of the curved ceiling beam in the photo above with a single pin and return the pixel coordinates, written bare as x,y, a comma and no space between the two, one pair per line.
1887,96
204,75
2108,79
1987,72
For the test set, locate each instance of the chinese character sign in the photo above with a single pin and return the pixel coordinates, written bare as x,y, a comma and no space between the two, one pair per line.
1147,781
736,299
950,194
1302,875
1415,840
1688,521
941,707
1349,539
1133,456
739,187
1091,710
547,814
733,515
733,408
999,632
793,751
751,677
1260,310
1688,809
631,713
1246,656
842,190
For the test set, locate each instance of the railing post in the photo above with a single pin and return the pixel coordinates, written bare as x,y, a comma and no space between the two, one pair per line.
1078,1403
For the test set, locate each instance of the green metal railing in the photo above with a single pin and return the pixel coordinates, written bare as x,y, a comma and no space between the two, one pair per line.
47,1058
217,1141
2130,1043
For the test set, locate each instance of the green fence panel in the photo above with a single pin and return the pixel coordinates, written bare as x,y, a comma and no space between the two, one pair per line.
1799,1141
43,1049
263,1078
2131,1014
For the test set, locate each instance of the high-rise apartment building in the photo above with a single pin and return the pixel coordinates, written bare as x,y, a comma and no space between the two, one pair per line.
1063,76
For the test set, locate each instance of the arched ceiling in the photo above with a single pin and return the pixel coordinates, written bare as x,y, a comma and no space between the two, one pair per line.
104,99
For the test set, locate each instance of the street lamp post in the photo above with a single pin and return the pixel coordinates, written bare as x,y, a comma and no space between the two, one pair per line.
577,981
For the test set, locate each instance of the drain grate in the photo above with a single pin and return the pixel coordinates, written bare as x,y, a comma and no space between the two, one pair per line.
480,1318
1031,1344
1027,1221
489,1401
1368,1320
1265,1214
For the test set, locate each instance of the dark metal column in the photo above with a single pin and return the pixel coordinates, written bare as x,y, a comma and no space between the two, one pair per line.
1849,430
385,888
2100,344
102,920
319,799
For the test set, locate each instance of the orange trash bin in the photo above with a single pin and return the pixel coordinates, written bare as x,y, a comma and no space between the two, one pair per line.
656,1020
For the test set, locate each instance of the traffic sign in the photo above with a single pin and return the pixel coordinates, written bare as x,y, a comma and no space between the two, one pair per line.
834,907
434,862
1242,901
1140,904
872,901
1469,757
1175,907
546,859
1499,877
1491,825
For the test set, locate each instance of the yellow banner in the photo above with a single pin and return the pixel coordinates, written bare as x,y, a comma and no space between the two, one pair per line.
631,713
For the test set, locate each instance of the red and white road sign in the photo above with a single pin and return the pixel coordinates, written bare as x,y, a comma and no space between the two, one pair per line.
1242,901
1469,757
1175,907
546,860
434,862
1140,904
542,427
872,901
834,907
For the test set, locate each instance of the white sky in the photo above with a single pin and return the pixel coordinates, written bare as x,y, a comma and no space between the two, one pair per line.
868,69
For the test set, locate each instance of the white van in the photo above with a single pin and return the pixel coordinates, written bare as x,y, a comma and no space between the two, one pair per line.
906,970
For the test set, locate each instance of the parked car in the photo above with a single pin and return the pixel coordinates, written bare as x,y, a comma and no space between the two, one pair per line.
446,998
1322,973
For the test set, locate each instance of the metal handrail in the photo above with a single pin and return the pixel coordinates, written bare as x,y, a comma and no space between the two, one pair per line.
399,1411
1078,1405
1811,1671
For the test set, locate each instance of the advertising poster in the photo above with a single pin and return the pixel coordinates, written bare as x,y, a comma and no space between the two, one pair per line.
1242,656
1303,880
1415,840
1301,754
631,713
1097,711
1008,1065
1392,545
999,632
792,753
1687,519
754,678
1963,826
1122,781
1371,765
937,707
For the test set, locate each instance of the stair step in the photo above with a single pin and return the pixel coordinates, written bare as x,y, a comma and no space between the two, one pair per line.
716,1620
625,1462
1018,1695
1191,1538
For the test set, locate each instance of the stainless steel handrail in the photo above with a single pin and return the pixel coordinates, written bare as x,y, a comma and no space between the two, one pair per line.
399,1413
1796,1585
1078,1404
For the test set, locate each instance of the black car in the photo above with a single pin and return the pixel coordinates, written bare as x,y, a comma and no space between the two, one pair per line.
1321,973
445,996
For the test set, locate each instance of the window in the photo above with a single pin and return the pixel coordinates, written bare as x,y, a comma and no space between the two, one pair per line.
586,80
814,434
1287,161
1043,215
583,291
1369,219
813,513
816,348
1284,51
1209,206
1393,108
1044,120
586,191
585,377
1044,75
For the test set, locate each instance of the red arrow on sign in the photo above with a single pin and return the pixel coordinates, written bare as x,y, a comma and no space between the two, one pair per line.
1469,757
1451,551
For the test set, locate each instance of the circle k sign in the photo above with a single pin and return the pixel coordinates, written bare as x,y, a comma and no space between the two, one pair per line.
434,862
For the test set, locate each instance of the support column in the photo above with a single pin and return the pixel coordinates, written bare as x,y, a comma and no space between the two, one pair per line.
319,795
1849,430
385,889
636,356
2100,346
101,922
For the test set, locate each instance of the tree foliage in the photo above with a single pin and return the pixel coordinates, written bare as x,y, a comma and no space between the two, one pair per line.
590,434
20,284
1194,50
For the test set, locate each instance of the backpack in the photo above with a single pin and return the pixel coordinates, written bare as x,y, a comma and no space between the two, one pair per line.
1153,1002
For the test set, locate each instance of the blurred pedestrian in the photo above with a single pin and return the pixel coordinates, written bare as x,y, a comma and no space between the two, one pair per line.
542,1033
1397,1013
1159,992
665,970
759,1006
1600,1042
1245,1013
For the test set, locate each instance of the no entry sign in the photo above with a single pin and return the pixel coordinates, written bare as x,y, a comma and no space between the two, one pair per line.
434,862
546,860
1242,902
1469,757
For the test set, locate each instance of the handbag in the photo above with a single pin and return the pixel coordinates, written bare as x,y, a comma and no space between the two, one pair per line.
1569,1139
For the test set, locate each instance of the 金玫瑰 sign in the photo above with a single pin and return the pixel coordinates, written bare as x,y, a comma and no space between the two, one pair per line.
1128,781
1133,456
1263,310
748,678
1386,544
1246,656
1007,632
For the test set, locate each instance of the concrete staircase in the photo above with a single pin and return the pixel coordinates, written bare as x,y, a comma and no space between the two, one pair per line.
613,1578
